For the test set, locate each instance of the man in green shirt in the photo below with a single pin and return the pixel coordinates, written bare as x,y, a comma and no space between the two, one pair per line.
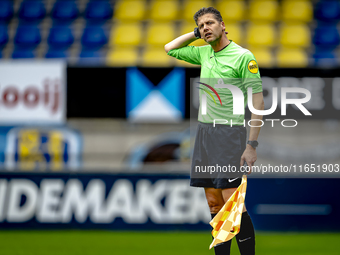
223,144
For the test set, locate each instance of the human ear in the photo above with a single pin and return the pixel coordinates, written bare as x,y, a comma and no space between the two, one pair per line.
223,26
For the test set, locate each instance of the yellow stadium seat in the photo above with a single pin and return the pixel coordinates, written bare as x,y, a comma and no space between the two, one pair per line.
188,27
292,58
231,10
264,56
263,10
295,35
297,10
120,36
261,35
130,10
164,10
235,33
160,33
192,6
122,56
156,57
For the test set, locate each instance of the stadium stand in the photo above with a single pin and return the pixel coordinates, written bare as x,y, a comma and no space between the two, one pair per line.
94,37
265,26
91,57
301,11
192,6
131,10
235,32
60,37
292,58
56,54
159,34
98,11
326,40
263,10
120,37
90,54
232,10
261,35
327,11
123,56
27,37
65,11
23,54
3,36
264,56
297,35
326,36
6,11
325,59
154,56
31,11
166,10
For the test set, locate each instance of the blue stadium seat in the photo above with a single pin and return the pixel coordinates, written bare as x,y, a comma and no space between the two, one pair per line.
32,11
27,36
3,35
56,54
328,11
98,11
90,54
326,36
60,37
94,37
23,54
325,58
65,11
6,10
89,57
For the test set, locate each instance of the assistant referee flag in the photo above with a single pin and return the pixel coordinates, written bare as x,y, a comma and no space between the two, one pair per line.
227,222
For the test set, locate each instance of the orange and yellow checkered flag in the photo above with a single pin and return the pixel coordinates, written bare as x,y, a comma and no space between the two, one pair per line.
226,224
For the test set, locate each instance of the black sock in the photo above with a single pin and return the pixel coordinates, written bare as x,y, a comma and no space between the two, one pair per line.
222,248
246,237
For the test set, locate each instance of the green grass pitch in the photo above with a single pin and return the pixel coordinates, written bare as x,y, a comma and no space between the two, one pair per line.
91,242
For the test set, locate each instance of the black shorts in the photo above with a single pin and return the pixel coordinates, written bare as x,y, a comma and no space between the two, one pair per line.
217,155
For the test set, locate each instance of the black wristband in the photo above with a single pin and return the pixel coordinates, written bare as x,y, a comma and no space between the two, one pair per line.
253,144
197,33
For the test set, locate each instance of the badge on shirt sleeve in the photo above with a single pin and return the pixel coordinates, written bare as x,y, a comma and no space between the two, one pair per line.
253,67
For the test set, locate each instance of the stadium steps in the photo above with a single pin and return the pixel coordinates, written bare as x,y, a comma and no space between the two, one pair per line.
302,17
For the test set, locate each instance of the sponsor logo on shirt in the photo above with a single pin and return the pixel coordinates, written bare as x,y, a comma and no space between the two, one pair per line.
253,67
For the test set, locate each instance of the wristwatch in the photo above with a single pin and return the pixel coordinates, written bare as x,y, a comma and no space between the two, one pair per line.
197,33
253,144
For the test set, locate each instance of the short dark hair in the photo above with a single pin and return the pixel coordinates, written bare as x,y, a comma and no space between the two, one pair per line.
205,10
